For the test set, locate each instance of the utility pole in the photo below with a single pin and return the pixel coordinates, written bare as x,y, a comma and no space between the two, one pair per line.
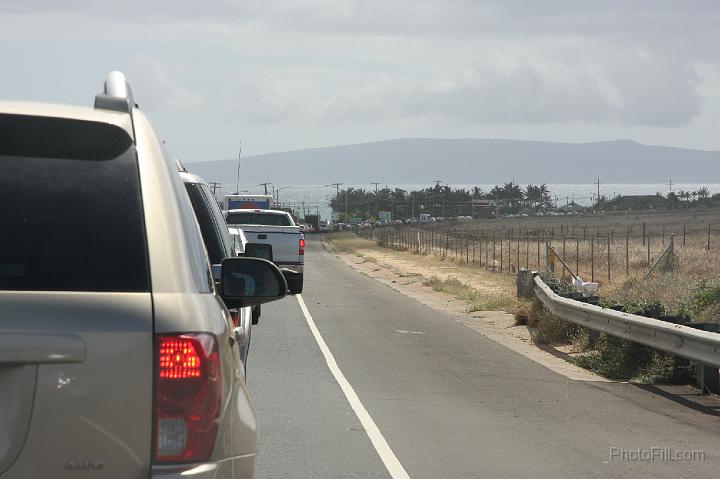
347,193
215,185
598,191
412,198
670,184
437,183
337,192
376,198
265,185
237,185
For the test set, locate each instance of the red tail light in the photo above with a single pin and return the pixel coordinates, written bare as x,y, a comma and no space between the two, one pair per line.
187,397
302,245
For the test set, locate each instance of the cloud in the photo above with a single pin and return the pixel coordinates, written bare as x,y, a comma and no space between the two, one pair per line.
614,86
156,88
396,67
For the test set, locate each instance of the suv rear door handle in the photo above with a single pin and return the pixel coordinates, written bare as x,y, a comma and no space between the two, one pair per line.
37,348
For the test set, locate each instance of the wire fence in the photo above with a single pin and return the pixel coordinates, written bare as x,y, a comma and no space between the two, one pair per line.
594,257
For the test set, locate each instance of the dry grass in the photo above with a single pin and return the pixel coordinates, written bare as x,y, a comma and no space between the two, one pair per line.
345,242
483,290
477,300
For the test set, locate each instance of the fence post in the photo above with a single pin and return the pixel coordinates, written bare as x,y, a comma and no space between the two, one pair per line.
592,259
608,257
494,260
577,255
627,253
683,235
643,233
648,251
708,243
538,248
672,246
502,256
485,246
527,250
473,260
467,248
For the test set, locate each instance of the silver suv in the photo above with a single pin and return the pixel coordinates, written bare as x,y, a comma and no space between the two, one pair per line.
220,244
117,354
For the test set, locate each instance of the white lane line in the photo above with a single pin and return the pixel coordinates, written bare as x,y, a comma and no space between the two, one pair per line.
396,470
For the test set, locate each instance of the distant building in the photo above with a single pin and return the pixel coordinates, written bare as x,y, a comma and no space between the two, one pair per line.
639,202
484,208
570,207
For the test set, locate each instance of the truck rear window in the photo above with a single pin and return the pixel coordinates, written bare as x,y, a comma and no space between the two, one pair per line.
267,219
70,207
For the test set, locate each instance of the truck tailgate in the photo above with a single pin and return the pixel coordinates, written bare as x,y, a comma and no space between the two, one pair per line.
285,241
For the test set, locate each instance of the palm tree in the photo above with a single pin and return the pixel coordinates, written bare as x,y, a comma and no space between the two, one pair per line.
544,194
703,193
686,196
531,195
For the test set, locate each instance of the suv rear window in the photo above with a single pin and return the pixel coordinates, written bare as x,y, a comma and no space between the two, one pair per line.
267,219
70,207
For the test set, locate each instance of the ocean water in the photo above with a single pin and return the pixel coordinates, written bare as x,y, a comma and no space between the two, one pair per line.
314,199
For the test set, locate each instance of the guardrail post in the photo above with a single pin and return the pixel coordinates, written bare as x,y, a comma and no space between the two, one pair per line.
525,284
707,379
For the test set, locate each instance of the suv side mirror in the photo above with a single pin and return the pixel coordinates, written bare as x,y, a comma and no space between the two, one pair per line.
250,281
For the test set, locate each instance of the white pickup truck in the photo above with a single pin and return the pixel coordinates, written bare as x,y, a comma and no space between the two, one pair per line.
278,230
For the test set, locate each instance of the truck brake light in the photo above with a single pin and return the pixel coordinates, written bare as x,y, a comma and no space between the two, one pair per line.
302,246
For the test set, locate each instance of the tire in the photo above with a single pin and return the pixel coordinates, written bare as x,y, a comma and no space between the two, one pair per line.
256,314
295,284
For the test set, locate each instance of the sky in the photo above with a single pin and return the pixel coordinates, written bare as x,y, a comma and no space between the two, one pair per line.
281,75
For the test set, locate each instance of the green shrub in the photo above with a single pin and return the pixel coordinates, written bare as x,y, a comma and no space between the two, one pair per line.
617,358
551,329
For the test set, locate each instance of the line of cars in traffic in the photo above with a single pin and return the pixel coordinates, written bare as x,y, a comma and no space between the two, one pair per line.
125,302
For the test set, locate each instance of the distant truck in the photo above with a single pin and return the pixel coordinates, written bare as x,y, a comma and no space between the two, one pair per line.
248,202
276,229
314,221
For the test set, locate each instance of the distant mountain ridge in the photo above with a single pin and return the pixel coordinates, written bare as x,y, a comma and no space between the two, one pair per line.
481,161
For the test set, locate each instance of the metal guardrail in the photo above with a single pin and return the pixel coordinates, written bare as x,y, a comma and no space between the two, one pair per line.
701,346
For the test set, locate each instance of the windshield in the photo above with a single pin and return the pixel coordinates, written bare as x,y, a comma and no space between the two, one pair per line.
265,219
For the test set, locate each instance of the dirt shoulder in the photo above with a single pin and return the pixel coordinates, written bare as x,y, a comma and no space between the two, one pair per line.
418,277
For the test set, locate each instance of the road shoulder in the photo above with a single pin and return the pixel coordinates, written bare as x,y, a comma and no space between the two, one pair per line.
499,326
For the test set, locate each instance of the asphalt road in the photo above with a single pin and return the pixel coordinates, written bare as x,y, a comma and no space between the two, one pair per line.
449,402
